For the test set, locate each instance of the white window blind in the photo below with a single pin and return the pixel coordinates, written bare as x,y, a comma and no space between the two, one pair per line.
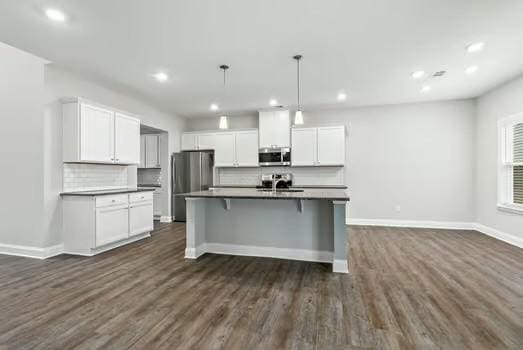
510,167
518,163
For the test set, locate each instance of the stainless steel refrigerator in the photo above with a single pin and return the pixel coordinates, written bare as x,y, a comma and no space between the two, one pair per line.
190,171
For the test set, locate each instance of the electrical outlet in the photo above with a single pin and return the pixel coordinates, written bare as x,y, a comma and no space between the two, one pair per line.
397,208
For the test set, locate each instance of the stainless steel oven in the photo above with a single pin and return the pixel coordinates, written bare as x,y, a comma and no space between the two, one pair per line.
274,156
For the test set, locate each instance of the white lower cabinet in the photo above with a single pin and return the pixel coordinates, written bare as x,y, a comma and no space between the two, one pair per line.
157,203
93,224
112,224
140,215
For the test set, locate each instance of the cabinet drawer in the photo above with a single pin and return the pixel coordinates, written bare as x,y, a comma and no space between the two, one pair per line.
140,197
104,201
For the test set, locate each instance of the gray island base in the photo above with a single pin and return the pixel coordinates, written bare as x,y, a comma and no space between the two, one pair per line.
307,226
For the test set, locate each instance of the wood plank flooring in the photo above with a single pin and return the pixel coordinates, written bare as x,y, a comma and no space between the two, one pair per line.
408,289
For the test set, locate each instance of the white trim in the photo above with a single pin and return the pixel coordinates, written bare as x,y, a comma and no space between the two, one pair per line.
109,246
268,252
31,252
502,236
195,253
340,266
511,208
166,219
453,225
449,225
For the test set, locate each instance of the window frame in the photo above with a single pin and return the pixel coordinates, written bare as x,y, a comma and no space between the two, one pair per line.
506,164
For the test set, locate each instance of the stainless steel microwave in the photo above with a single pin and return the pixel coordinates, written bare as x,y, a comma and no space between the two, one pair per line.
274,156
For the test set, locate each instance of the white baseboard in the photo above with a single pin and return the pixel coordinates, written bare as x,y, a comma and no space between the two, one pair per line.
31,252
502,236
340,266
269,252
195,253
449,225
166,219
93,252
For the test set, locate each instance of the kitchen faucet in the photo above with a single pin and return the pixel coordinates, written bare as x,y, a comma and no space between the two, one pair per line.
275,183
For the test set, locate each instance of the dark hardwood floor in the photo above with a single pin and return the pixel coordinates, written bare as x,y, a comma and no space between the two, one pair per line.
408,289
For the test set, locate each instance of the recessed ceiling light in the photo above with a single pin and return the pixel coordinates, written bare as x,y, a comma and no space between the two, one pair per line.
471,69
342,96
161,77
273,102
55,15
418,74
213,107
475,47
426,88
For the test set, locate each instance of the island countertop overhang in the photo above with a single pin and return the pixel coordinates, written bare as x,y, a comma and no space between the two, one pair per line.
252,193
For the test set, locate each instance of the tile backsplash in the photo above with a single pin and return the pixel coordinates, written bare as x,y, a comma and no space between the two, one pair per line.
87,177
150,176
302,176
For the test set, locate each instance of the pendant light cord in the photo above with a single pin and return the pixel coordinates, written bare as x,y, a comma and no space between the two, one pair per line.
298,70
298,58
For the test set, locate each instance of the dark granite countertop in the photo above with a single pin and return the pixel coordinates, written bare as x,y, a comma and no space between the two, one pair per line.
106,192
253,193
343,187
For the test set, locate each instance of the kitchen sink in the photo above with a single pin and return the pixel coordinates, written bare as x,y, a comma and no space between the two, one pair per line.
281,190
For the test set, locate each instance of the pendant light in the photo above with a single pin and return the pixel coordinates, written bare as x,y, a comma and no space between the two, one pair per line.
298,117
223,119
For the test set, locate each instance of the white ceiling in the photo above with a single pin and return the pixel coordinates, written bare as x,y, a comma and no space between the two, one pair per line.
367,48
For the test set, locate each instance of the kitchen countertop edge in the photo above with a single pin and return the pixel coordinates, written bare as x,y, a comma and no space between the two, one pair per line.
106,193
305,195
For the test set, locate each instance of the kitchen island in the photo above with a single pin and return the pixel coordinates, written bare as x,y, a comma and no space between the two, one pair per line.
299,224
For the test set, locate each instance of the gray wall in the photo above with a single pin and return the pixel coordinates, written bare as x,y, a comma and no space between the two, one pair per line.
59,84
21,141
499,103
418,157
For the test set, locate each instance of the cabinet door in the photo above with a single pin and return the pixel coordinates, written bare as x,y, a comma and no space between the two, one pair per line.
141,218
266,125
281,129
152,151
303,151
224,149
157,203
206,141
247,148
274,129
142,151
96,134
189,142
127,139
331,145
112,224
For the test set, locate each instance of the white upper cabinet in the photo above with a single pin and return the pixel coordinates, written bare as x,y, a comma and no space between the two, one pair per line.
224,149
274,129
189,142
324,146
142,151
247,148
94,134
231,148
205,141
331,146
303,147
152,151
127,139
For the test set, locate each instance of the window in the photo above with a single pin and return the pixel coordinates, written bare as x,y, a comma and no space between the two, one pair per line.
511,163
